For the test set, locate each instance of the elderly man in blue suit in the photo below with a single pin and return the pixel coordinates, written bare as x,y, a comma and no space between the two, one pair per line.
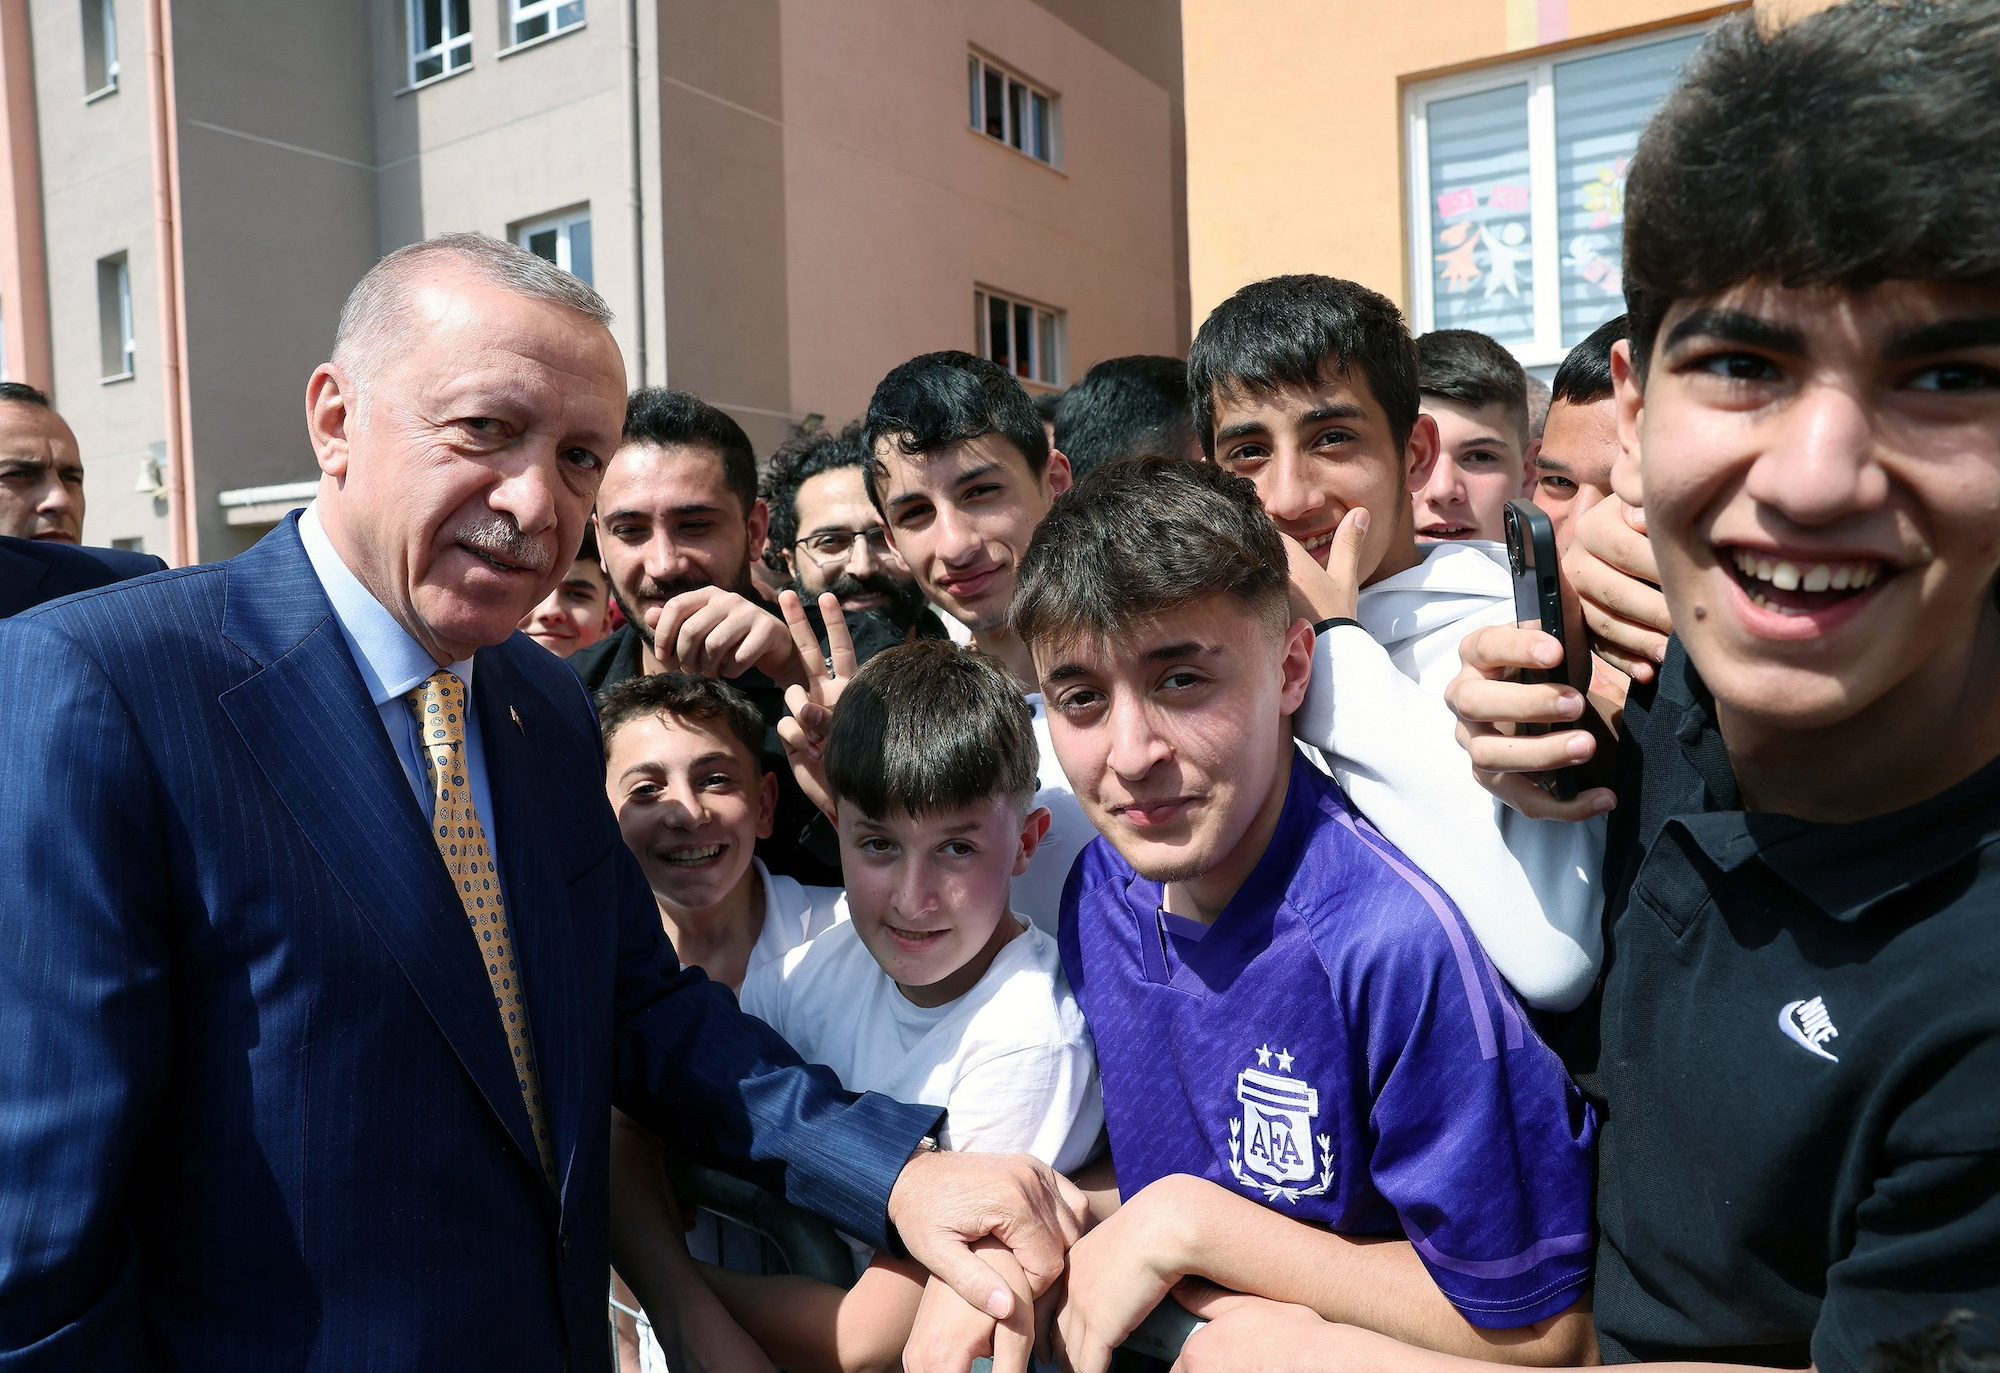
321,961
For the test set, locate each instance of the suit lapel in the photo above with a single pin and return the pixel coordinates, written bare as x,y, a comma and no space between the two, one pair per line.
537,897
20,580
307,720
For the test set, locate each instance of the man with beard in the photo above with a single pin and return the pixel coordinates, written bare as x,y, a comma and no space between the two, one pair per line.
825,536
678,523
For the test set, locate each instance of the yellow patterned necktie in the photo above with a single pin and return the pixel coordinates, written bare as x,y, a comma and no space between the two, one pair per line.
440,708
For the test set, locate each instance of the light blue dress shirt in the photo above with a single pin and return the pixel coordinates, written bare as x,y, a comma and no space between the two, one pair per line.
392,665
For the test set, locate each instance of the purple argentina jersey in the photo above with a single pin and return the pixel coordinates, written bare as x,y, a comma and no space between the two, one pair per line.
1337,1047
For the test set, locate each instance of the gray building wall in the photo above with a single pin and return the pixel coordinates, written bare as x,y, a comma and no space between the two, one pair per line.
815,207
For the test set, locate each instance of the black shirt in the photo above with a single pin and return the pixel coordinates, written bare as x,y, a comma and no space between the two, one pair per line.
1797,1060
798,847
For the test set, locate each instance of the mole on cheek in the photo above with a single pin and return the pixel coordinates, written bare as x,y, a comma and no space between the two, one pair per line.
1700,611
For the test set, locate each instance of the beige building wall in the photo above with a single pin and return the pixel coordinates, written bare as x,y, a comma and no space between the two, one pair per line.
1296,140
97,200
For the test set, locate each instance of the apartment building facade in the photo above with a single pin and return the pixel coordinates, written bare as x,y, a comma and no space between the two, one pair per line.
781,199
1464,157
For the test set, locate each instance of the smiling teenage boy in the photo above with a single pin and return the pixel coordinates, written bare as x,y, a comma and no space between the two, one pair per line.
1308,387
1477,395
1798,1042
961,470
1317,1089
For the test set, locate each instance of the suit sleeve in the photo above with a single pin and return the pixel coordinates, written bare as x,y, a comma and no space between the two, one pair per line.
691,1065
85,1009
1528,888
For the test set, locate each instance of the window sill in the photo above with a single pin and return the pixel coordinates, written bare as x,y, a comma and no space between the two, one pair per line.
429,81
116,377
92,97
987,138
528,43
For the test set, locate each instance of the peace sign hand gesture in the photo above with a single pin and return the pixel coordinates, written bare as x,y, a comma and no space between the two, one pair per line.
826,676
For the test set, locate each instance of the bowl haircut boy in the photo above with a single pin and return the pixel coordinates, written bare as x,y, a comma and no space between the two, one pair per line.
1295,1027
934,990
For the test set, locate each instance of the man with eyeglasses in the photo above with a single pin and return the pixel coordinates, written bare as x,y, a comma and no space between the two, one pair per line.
827,537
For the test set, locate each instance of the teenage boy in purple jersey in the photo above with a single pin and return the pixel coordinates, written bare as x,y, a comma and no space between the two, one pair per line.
1317,1088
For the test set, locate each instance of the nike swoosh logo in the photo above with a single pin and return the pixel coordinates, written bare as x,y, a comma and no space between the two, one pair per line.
1788,1022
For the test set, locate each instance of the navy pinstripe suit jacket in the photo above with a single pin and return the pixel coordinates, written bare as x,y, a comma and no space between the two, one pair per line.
256,1108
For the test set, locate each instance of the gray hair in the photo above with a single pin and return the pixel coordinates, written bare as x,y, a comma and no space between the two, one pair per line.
378,308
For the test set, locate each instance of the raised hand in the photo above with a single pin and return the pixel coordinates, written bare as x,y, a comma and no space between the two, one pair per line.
711,632
1331,592
1609,564
1490,702
821,679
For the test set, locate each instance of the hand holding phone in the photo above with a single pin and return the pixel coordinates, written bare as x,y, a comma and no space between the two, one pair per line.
1538,604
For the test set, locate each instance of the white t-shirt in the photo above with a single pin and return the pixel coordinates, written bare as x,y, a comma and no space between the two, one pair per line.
794,914
1375,711
1038,891
1010,1060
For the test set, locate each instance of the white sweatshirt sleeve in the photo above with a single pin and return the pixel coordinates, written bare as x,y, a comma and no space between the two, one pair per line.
1528,888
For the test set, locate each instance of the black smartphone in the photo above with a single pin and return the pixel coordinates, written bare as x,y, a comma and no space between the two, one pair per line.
1538,602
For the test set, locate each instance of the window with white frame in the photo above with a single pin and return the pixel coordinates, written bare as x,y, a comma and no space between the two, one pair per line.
528,20
1013,110
1518,191
440,38
563,239
116,348
100,46
1024,338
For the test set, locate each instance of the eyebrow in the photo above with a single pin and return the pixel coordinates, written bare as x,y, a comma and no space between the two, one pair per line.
1317,415
1735,326
1165,653
709,759
1544,463
1945,336
971,474
692,508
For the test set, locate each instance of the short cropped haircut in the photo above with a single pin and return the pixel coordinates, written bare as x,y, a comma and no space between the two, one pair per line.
1046,403
1539,401
1144,538
1472,368
586,552
376,318
1859,145
1585,375
930,727
940,400
657,416
682,696
21,393
1295,331
796,461
1124,408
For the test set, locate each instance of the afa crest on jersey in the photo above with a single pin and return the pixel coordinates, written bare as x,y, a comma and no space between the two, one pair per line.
1273,1145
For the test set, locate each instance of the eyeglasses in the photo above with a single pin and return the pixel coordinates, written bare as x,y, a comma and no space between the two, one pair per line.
836,545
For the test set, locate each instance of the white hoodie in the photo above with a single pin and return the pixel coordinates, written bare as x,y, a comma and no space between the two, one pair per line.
1375,710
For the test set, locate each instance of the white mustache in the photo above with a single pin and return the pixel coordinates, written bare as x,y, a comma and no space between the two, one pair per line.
502,538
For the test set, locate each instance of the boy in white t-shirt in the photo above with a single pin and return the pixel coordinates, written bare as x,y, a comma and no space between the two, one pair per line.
684,772
683,768
934,990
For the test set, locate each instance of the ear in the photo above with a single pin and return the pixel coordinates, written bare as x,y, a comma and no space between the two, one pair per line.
330,406
759,529
1528,468
1421,453
1056,477
1295,670
1034,829
767,805
1627,474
